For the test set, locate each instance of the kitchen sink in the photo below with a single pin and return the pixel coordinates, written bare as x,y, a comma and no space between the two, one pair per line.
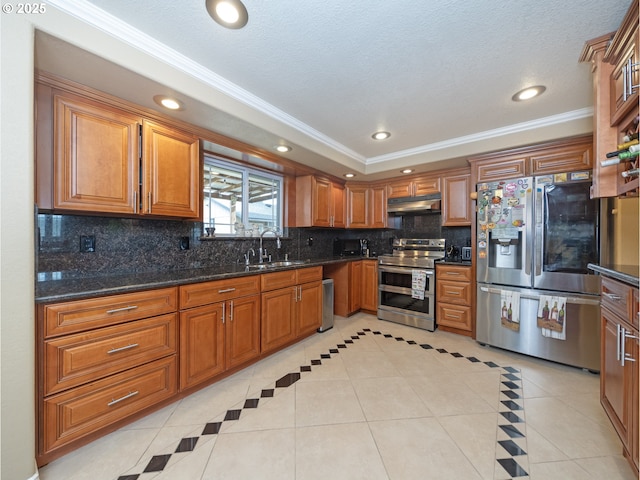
287,263
265,266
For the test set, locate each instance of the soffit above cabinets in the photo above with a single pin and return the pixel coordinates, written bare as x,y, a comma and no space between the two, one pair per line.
438,75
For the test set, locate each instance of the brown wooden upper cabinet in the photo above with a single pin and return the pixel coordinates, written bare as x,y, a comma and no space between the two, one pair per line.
565,155
366,206
95,157
319,202
456,203
412,187
615,100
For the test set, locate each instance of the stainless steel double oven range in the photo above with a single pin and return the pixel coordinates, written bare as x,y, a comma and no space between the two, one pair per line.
407,282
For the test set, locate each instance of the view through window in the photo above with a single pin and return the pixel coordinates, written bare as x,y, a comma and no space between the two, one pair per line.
240,201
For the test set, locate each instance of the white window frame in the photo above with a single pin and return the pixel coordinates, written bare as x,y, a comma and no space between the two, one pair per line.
246,171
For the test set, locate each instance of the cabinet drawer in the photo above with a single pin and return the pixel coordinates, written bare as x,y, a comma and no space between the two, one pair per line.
453,292
453,272
499,170
198,294
455,316
75,413
617,297
276,280
83,357
306,275
80,315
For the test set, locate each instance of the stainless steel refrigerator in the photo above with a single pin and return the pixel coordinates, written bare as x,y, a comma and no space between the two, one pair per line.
535,295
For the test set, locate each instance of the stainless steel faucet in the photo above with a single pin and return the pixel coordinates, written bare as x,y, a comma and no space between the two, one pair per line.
263,252
246,255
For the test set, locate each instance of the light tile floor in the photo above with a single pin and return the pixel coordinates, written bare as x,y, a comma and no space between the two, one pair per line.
373,401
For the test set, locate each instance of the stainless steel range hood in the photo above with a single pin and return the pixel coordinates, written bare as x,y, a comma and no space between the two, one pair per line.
414,205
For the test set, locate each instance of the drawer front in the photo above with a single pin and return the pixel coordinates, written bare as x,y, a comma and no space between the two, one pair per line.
276,280
198,294
453,292
617,297
81,315
306,275
454,316
453,272
84,357
73,414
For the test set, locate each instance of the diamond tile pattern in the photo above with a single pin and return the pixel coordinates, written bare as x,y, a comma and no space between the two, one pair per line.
510,456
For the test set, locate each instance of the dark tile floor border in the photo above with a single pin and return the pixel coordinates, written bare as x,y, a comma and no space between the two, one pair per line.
511,421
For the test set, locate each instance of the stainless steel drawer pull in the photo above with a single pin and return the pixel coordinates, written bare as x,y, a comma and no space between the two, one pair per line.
123,309
452,293
455,274
227,290
448,315
120,349
612,296
118,400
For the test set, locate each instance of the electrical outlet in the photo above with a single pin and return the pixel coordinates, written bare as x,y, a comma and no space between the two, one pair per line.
87,243
184,243
310,241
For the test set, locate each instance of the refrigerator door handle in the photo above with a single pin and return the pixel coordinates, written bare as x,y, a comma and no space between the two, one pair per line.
529,232
539,226
576,300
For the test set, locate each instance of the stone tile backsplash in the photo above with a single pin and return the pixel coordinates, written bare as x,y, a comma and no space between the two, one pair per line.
124,245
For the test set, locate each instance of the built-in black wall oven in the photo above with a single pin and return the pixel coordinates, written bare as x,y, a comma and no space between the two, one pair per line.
407,282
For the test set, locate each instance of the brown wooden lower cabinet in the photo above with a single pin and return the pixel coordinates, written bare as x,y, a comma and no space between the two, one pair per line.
454,299
369,301
619,382
351,288
291,306
75,413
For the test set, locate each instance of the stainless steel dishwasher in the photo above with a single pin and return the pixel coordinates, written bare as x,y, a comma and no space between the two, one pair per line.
327,305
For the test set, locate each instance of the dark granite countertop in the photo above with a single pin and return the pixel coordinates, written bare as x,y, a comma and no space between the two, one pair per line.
61,286
454,262
625,273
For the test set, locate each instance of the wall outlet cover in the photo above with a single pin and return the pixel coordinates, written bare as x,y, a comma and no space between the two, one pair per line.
87,243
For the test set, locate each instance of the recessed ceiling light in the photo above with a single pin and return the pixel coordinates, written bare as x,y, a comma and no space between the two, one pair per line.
380,135
228,13
283,148
406,170
349,175
168,102
528,93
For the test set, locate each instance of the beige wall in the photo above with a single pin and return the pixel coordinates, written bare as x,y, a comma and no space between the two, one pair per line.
16,249
626,241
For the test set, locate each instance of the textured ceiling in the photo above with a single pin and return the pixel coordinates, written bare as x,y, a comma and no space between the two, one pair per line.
434,73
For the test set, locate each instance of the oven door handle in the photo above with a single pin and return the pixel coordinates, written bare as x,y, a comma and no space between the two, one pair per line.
405,270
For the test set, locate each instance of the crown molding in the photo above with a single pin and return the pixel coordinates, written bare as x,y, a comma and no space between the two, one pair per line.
113,26
486,135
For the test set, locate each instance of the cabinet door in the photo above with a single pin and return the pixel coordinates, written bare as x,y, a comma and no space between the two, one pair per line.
355,286
426,185
500,169
370,285
402,188
278,318
619,106
95,156
201,343
615,379
338,206
308,308
242,330
456,204
322,201
357,206
171,172
378,207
